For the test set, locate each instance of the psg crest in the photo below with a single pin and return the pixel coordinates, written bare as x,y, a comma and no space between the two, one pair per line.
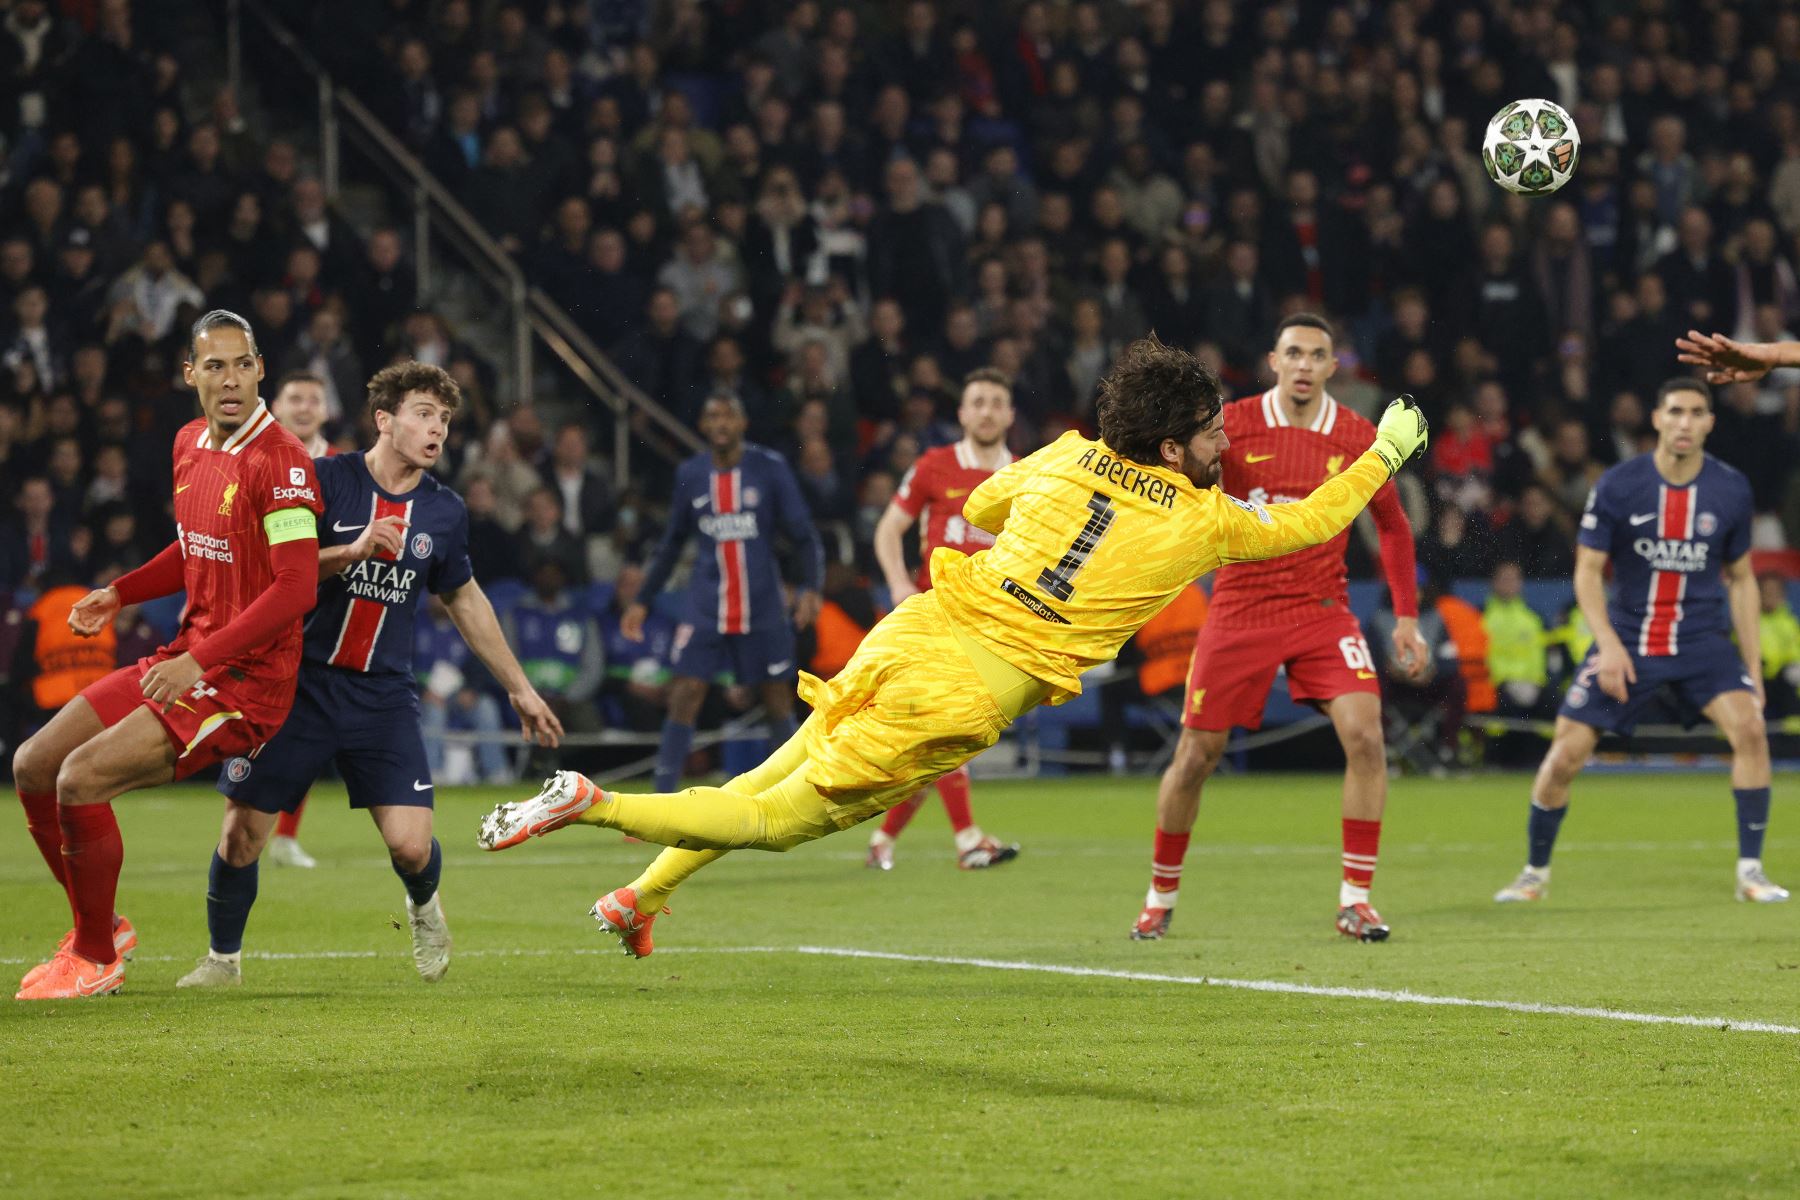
1707,524
237,770
421,545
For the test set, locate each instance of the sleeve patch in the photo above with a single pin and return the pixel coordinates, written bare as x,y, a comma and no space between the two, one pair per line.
290,525
1262,514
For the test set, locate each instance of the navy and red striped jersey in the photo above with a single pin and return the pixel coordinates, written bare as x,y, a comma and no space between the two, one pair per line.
734,514
1669,547
364,619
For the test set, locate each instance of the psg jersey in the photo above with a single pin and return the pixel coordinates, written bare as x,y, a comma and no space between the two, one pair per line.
1669,546
365,615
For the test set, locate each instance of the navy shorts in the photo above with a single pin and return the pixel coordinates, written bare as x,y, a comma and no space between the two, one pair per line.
370,729
760,656
1700,673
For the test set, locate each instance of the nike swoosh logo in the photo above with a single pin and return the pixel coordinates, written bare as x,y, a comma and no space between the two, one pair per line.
1641,518
1365,674
184,487
700,501
1758,828
953,493
778,668
88,988
421,787
1256,458
340,527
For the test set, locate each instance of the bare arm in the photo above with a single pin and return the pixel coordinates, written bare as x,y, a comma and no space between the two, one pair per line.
1728,361
1746,618
1614,665
473,615
894,523
385,535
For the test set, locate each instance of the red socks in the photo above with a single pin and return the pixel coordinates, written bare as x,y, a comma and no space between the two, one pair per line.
92,852
1361,841
46,830
1165,863
288,823
954,788
899,816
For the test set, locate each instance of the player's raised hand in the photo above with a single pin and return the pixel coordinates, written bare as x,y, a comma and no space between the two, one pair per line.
1725,360
631,622
1615,671
806,608
94,612
384,535
536,721
1402,434
169,680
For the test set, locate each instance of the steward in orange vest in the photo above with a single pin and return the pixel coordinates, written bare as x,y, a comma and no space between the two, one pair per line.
1166,642
65,663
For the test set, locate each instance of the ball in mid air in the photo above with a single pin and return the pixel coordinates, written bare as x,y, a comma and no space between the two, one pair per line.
1531,147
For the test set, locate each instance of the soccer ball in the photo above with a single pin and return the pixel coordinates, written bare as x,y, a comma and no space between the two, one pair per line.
1531,147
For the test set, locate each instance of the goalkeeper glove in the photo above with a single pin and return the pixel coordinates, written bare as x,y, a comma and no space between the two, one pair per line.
1402,434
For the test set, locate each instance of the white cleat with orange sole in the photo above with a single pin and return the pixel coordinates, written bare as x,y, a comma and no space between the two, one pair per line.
1756,887
566,795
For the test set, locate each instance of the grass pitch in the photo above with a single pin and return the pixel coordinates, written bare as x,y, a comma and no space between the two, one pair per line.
547,1064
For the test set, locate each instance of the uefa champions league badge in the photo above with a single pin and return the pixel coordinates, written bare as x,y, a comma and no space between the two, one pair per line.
421,545
1707,524
237,770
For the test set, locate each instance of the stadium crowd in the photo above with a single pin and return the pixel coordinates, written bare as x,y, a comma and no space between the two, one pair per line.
834,211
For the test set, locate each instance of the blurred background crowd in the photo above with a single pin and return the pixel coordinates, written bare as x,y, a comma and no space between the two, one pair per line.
833,211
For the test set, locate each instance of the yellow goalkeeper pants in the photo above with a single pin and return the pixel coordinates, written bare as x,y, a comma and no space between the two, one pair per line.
779,804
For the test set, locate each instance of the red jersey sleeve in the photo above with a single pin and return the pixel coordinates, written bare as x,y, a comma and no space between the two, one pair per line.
916,489
283,477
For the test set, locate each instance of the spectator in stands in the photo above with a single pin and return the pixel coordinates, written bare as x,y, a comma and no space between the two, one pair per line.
552,630
493,550
543,536
1571,473
34,540
456,695
587,501
915,249
636,689
145,299
323,351
385,293
700,276
662,358
1534,539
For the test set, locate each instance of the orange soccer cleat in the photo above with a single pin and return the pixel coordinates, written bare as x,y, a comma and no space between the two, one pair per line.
618,914
124,941
566,795
72,977
1152,923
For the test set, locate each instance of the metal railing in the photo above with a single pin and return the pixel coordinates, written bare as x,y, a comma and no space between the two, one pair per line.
532,316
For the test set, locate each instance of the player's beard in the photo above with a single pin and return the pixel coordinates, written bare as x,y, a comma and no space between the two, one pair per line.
1201,475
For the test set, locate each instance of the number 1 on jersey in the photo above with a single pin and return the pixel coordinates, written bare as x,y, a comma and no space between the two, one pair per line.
1059,581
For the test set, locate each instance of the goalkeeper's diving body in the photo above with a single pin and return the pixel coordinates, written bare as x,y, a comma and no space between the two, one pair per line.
1094,539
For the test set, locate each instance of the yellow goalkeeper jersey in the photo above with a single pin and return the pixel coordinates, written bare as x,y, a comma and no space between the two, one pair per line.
1092,546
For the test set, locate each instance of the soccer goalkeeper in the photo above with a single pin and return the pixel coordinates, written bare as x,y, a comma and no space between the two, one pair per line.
1094,538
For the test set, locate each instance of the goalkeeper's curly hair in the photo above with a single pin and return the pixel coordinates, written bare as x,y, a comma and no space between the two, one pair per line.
1155,392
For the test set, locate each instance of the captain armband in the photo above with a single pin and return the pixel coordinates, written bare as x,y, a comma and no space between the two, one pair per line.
290,525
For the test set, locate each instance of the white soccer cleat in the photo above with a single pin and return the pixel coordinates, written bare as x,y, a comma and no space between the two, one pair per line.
566,795
1530,885
212,971
430,938
880,857
1753,885
287,852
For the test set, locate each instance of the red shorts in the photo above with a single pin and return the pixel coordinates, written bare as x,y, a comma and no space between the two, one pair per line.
1233,669
215,721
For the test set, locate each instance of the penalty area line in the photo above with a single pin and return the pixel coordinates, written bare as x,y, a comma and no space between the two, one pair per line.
1281,987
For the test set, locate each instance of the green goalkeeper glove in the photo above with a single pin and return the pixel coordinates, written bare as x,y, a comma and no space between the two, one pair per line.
1402,434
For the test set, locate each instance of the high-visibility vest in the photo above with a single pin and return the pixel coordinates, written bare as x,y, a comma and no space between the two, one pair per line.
1167,641
1516,642
1780,640
836,637
66,663
1462,621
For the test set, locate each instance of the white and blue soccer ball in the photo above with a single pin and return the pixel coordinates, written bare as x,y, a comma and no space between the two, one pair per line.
1531,147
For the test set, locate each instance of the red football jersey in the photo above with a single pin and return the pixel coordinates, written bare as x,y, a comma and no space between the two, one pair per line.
940,480
221,498
1273,462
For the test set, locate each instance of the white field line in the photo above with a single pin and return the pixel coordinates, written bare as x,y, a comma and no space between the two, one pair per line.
1279,987
613,852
